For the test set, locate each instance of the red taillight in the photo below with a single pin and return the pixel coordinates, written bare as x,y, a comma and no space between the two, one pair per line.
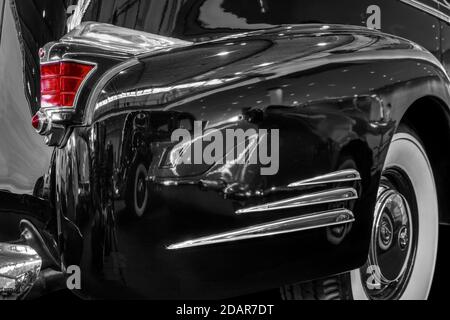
35,121
40,122
60,82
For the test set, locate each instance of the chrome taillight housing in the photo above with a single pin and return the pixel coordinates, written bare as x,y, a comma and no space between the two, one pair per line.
61,81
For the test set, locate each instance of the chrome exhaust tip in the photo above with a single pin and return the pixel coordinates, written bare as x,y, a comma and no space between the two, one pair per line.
20,266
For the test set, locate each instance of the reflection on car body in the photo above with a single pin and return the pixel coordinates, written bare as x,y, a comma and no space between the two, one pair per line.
96,187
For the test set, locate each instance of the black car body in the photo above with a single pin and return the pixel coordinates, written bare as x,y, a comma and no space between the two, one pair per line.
335,89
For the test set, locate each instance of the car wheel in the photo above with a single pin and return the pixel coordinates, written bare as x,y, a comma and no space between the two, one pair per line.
138,193
404,238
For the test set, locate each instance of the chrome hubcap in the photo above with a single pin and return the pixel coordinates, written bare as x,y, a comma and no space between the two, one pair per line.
390,261
386,232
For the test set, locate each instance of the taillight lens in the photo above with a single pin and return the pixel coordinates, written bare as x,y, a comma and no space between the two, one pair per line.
60,82
35,121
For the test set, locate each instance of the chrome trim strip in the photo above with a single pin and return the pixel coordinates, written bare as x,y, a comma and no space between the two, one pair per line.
300,223
443,3
331,196
95,93
334,177
427,9
118,39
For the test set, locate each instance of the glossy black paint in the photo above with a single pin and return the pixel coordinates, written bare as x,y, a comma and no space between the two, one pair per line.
201,20
336,93
348,125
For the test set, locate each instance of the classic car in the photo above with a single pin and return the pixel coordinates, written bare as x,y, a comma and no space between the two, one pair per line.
335,191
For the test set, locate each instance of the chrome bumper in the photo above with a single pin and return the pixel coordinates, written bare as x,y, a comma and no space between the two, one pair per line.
19,269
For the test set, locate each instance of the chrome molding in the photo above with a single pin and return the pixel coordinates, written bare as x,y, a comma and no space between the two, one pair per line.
342,176
335,177
119,39
95,93
427,9
301,223
331,196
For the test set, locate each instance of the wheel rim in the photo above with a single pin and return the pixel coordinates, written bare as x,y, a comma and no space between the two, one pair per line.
393,240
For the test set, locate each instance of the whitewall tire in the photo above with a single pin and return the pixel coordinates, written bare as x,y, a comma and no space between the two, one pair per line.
414,269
